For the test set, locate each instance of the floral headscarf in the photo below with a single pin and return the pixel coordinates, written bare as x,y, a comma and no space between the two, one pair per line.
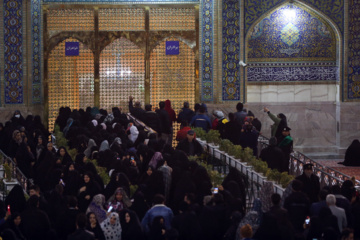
111,231
96,206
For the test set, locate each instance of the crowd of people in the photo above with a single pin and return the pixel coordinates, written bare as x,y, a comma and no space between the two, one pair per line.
155,192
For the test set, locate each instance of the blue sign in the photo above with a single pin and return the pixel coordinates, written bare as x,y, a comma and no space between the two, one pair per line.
71,48
172,47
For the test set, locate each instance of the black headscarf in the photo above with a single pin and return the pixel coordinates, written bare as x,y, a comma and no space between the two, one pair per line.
16,199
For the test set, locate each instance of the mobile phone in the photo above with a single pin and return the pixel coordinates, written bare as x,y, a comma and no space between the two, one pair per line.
216,190
62,182
110,208
8,208
307,220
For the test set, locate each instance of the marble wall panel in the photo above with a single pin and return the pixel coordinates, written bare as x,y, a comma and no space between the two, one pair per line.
269,93
302,93
286,93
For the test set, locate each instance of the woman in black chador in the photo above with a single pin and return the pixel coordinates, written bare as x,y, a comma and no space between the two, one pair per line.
352,154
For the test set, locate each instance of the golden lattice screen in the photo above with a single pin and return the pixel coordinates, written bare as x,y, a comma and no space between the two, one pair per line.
176,19
121,19
70,20
172,77
122,73
70,80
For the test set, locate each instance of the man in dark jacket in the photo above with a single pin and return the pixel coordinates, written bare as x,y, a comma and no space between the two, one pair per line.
165,122
35,224
81,233
275,223
190,145
136,110
310,182
232,129
185,114
273,156
152,119
240,114
201,120
298,206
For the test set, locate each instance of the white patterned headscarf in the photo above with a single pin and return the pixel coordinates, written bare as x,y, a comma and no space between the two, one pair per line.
265,196
112,231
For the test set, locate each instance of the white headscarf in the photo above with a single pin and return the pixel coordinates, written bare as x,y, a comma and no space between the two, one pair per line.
134,133
112,231
104,146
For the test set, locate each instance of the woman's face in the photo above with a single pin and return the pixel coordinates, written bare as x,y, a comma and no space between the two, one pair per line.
85,159
71,167
40,140
113,220
62,152
18,136
127,217
86,179
119,197
50,147
17,221
149,171
92,218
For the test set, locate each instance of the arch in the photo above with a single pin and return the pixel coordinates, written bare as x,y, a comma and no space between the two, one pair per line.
122,73
170,73
337,66
304,5
70,79
172,77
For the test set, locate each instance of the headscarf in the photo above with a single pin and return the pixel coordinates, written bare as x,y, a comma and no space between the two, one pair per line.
134,133
96,206
117,141
155,159
91,144
265,196
104,146
103,125
16,132
125,199
69,122
111,231
94,122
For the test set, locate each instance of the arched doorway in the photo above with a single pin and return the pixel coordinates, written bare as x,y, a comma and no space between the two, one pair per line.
70,79
121,74
172,76
296,46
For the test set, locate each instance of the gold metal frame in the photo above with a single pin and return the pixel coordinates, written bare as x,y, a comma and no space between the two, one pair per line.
97,40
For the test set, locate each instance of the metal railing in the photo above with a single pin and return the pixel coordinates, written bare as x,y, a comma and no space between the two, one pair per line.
140,123
16,173
221,161
327,175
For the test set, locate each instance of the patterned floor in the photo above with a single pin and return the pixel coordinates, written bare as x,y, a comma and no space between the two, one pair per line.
350,171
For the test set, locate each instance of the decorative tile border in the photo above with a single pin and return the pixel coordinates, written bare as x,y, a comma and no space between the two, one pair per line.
207,48
13,60
231,51
120,1
353,78
36,50
280,64
292,74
